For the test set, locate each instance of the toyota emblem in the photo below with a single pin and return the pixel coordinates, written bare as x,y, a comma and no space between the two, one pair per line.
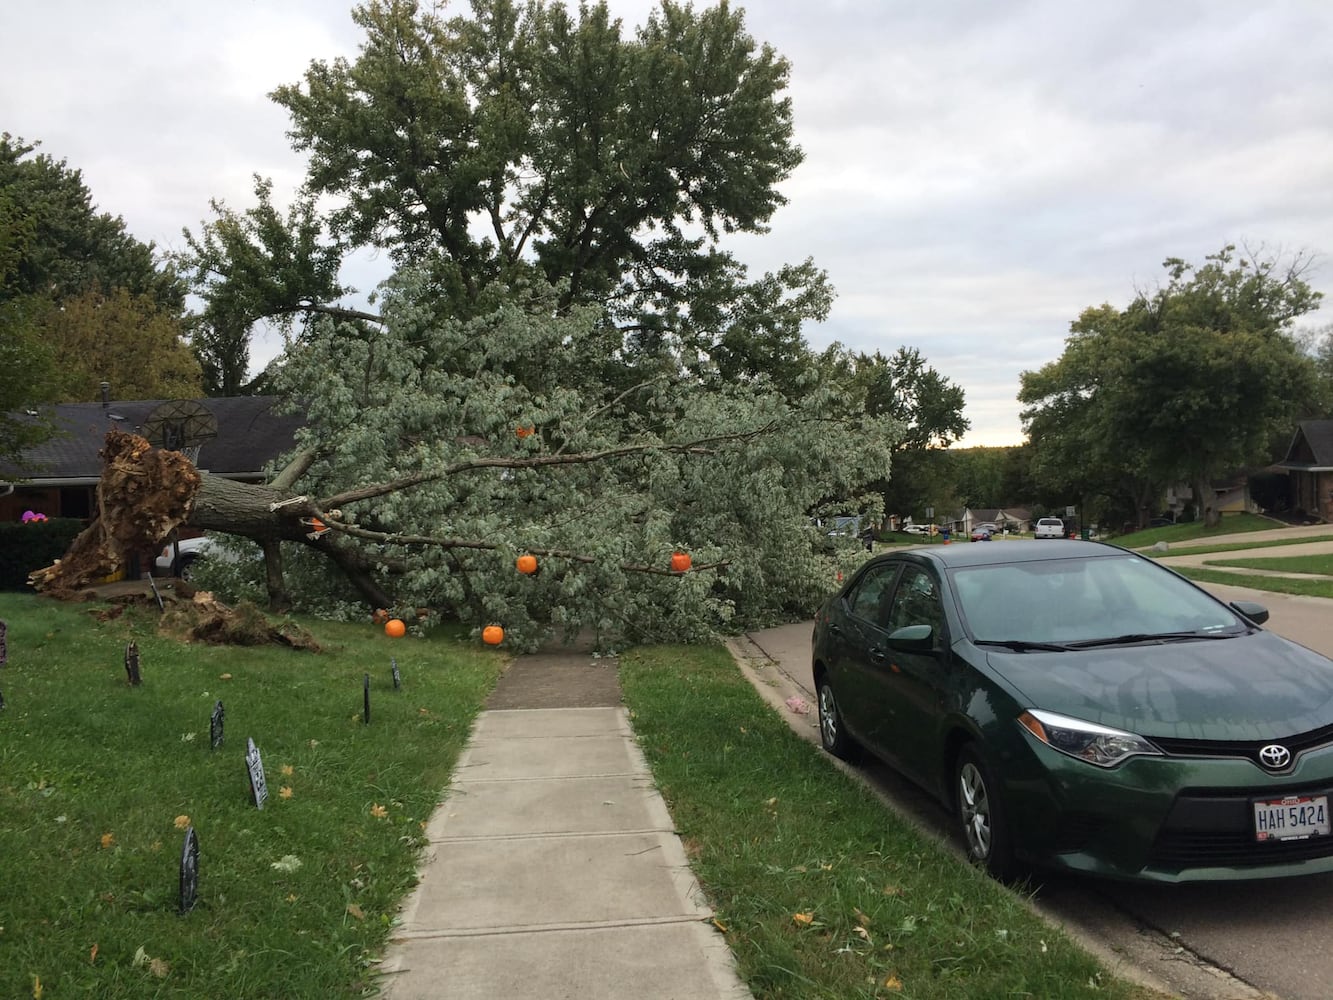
1275,756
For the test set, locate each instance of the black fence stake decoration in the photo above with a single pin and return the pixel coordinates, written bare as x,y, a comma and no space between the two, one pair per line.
215,726
255,766
189,872
153,583
132,664
2,701
397,677
366,689
4,647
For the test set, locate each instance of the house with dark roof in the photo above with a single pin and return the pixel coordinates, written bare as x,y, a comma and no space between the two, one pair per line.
233,437
1004,518
1309,466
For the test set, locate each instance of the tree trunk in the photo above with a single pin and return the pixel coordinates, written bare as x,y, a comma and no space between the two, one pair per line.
146,493
1205,502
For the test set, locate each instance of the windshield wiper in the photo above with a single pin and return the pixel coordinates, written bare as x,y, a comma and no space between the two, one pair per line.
1023,646
1133,637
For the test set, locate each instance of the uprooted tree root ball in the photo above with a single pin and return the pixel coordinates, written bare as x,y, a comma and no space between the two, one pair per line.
143,494
205,619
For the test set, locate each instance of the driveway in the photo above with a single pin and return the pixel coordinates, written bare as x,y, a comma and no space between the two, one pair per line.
1236,941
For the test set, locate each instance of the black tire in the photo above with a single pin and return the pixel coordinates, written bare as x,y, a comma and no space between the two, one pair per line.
186,570
832,733
982,819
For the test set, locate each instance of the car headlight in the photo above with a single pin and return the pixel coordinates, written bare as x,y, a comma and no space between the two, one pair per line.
1099,745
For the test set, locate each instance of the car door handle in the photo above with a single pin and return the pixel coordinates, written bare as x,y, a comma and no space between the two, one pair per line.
877,654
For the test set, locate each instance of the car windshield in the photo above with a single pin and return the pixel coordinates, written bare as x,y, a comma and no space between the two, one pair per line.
1084,600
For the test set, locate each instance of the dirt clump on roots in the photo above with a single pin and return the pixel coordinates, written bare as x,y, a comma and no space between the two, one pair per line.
143,494
203,618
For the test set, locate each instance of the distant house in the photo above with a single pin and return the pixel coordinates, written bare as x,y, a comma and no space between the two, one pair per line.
58,477
1005,518
1309,465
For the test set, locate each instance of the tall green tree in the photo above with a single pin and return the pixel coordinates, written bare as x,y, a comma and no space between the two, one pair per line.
254,266
80,298
121,339
928,408
1189,382
523,139
29,372
71,246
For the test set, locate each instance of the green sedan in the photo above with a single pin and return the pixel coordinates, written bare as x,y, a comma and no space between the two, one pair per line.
1081,707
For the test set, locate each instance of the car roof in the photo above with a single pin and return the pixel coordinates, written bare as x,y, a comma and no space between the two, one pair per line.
950,556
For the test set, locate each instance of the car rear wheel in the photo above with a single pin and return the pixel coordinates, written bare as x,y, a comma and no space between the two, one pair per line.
832,733
981,815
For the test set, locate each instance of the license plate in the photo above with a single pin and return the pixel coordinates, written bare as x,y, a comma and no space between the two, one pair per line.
1295,817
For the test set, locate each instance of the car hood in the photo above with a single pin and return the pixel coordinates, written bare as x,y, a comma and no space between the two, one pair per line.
1250,687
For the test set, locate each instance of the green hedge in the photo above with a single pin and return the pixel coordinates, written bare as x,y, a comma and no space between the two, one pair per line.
26,547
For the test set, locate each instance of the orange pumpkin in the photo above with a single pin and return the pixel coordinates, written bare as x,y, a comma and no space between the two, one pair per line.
492,635
526,564
525,431
394,628
680,562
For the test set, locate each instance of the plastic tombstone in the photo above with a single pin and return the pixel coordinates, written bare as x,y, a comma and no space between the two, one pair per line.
189,887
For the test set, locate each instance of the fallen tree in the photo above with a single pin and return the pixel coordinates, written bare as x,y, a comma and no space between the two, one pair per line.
432,466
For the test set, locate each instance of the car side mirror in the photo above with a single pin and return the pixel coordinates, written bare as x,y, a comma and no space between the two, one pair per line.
913,639
1256,613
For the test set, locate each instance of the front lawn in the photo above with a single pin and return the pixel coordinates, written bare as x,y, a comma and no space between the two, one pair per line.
1232,524
821,890
1319,565
99,780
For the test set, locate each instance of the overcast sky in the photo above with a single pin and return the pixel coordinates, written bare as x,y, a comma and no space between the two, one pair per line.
976,172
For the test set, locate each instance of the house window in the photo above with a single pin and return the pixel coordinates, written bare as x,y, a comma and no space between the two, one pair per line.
76,501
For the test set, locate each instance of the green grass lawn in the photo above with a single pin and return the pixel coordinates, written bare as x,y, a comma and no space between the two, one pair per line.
1232,524
1319,565
821,891
1256,581
99,779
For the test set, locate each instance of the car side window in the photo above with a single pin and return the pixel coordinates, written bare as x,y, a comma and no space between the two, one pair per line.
869,599
917,602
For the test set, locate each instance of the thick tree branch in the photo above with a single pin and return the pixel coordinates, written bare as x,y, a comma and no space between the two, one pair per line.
394,538
703,446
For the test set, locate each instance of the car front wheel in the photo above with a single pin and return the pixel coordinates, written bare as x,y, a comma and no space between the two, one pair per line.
981,815
832,733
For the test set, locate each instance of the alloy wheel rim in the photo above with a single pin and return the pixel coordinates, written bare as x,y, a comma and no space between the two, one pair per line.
828,718
974,804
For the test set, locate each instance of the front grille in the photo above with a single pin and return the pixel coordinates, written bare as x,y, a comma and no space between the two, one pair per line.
1246,749
1214,828
1185,849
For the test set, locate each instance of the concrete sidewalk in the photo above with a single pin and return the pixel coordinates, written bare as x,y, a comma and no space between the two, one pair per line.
554,871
